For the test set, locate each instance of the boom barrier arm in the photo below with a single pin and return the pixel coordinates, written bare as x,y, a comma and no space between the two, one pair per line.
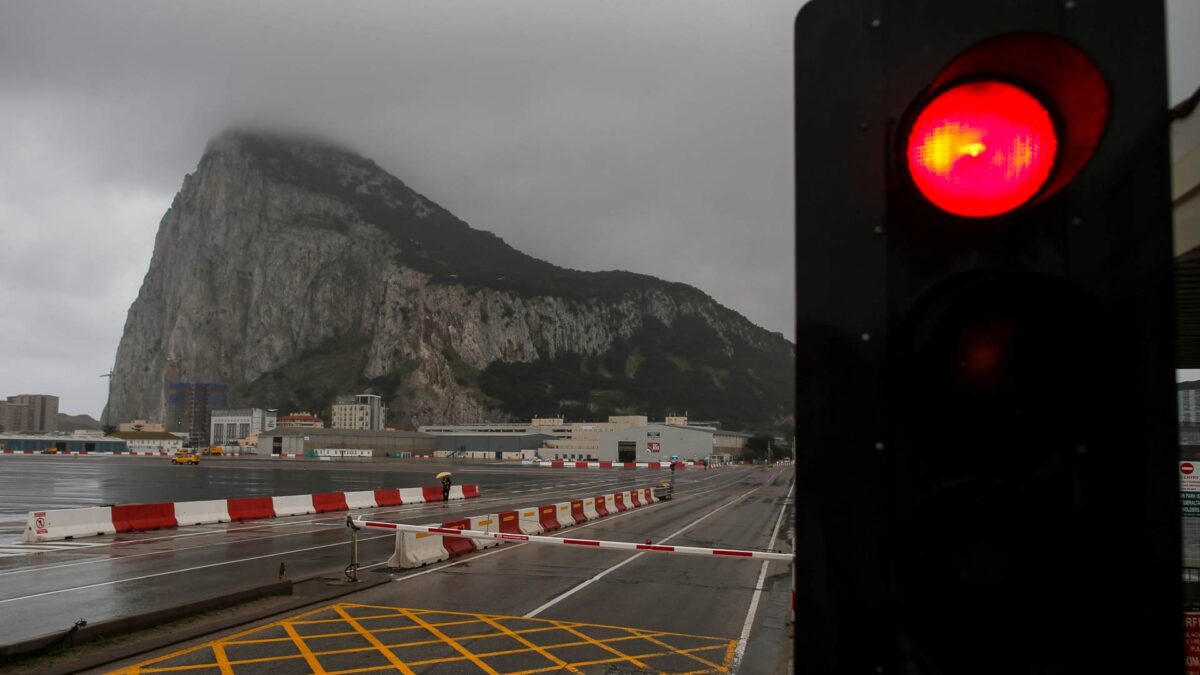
593,543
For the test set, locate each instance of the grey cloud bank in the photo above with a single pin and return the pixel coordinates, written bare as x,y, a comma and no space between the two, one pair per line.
650,137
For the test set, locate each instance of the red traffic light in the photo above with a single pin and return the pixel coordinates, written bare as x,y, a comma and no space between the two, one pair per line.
982,148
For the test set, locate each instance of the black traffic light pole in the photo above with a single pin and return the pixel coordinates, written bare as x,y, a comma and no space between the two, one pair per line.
986,445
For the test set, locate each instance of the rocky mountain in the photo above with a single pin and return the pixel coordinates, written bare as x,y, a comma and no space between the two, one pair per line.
297,271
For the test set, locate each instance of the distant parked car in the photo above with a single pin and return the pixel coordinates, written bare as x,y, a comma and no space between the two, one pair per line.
185,458
50,451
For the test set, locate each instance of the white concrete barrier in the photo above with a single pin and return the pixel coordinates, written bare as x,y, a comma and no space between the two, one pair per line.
364,499
456,492
293,506
68,524
610,503
488,523
528,521
629,505
416,549
562,512
589,508
412,496
202,513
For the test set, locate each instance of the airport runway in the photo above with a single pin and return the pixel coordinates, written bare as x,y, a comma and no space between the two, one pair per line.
104,577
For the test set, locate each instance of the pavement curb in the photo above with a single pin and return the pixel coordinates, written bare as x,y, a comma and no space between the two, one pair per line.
15,654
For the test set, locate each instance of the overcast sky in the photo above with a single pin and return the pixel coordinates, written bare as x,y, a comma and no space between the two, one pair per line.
653,137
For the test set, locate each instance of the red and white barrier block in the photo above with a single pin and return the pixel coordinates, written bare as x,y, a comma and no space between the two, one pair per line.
425,545
456,533
569,464
53,525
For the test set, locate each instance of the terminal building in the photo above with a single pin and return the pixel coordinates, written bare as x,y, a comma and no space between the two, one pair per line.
227,425
623,438
496,440
348,442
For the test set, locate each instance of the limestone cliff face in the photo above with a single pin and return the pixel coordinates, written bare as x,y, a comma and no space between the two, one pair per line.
286,265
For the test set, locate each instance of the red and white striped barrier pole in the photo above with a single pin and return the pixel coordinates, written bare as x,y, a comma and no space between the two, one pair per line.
593,543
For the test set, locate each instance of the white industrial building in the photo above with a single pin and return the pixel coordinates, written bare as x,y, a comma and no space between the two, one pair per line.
363,411
633,438
232,424
150,441
623,438
551,426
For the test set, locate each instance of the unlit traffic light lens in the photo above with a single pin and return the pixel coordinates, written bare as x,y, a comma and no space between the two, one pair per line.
982,148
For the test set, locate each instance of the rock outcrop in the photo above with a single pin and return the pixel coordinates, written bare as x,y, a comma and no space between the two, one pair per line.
296,271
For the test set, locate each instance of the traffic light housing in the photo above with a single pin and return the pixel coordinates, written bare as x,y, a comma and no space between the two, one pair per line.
986,437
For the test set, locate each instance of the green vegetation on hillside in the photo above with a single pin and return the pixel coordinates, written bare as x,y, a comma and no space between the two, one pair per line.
664,369
317,377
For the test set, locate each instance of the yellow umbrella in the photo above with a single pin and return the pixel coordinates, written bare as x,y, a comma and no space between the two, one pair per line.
443,474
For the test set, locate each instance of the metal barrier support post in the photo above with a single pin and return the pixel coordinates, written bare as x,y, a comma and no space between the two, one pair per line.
352,568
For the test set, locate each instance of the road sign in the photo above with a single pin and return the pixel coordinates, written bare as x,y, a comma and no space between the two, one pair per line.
1191,622
1189,480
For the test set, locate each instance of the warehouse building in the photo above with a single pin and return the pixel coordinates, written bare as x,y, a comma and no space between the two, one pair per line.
552,426
150,441
364,442
59,443
491,446
634,439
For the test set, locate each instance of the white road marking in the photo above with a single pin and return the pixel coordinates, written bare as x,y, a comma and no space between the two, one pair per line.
8,551
181,571
589,582
758,588
407,510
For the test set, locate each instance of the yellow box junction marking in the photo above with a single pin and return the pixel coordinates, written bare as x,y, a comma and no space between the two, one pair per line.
350,637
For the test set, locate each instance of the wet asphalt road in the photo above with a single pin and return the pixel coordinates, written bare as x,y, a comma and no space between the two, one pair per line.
140,572
48,482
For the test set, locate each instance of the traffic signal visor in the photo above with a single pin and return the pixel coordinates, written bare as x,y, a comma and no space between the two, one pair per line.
981,149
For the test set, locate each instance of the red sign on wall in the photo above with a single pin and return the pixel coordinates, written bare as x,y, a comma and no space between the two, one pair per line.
1191,623
654,446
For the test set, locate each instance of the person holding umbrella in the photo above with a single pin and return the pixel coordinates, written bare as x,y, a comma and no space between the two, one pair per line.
445,476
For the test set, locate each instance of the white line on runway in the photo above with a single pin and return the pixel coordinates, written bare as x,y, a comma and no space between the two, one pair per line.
596,578
181,571
405,511
301,550
758,588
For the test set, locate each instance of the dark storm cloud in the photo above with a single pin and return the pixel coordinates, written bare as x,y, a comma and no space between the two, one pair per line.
653,137
648,136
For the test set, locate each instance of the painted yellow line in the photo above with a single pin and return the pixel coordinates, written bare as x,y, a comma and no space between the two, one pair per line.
684,652
551,657
605,647
195,648
534,620
387,653
309,657
429,621
729,653
412,615
222,659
